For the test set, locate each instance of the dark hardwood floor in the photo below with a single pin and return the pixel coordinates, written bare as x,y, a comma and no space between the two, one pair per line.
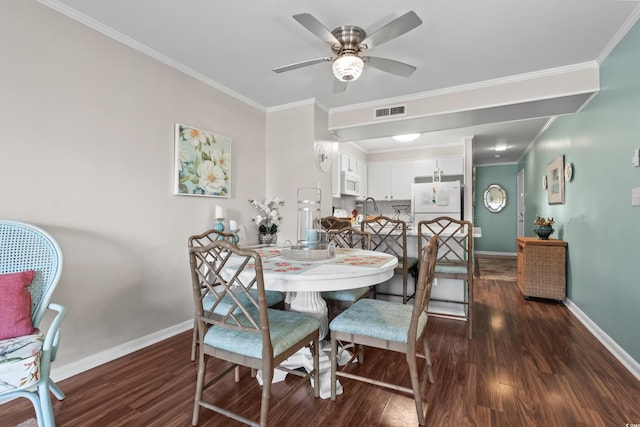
530,363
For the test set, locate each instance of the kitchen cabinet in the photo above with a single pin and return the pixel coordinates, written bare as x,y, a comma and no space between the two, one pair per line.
448,165
390,180
378,181
541,268
350,164
346,163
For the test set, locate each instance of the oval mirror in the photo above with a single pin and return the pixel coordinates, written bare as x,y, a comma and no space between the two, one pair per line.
495,198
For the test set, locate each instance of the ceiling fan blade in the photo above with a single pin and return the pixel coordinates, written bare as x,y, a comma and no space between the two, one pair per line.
339,86
315,27
301,64
393,29
390,66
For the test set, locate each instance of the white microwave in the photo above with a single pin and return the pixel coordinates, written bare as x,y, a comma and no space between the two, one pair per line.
349,184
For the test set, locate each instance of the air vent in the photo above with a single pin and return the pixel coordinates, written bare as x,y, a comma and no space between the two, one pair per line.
399,110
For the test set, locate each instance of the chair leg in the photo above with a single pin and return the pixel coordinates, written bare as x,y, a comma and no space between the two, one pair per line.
45,405
202,367
334,366
415,386
427,356
316,367
267,377
194,342
56,390
470,307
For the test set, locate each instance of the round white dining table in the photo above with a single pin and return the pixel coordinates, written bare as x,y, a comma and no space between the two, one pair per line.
304,281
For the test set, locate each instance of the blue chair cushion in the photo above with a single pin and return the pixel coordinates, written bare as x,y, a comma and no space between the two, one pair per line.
273,298
347,295
285,328
450,269
379,319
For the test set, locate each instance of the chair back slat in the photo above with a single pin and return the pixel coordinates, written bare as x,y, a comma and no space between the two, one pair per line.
334,223
27,247
387,235
426,270
454,237
223,270
349,237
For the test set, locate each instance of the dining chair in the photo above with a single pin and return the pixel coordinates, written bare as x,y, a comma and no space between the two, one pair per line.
246,332
390,235
275,299
334,223
389,326
30,267
347,237
455,259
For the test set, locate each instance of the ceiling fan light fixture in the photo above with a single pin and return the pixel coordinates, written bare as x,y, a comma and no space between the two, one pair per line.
406,138
347,67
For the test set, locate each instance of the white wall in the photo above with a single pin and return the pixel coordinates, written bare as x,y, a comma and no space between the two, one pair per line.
87,153
291,160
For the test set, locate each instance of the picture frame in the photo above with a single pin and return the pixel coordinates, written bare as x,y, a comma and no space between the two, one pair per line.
202,163
555,181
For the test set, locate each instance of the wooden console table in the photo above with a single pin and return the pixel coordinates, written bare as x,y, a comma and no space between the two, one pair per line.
541,268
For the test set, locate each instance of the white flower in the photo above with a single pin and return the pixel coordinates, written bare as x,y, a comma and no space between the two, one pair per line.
269,218
210,177
220,158
194,136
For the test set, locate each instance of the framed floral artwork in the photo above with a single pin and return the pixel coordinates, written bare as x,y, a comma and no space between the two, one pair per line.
555,181
203,163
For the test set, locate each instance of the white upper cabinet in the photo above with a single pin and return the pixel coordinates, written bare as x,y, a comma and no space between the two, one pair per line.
378,181
448,165
390,181
401,177
349,164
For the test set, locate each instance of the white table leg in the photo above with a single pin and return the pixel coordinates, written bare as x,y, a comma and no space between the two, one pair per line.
311,303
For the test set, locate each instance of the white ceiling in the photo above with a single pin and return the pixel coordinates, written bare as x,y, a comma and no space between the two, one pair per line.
234,46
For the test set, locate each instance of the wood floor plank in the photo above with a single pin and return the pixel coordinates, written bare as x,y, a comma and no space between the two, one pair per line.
530,363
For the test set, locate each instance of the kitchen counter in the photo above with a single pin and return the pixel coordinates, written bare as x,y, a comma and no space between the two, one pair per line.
411,231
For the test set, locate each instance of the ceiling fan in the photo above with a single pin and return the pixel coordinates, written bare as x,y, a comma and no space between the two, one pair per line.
349,43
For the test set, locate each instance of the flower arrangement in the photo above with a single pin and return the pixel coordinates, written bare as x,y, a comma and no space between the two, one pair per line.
269,218
541,221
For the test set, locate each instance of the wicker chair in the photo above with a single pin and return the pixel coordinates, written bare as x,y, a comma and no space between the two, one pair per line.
275,299
25,360
389,326
455,259
390,236
246,332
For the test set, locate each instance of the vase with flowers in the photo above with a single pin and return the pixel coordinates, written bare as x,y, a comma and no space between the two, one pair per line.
268,219
543,227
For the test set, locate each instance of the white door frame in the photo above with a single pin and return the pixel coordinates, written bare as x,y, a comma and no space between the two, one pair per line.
520,202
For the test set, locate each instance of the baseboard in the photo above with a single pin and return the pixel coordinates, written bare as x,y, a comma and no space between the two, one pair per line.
495,253
613,347
59,373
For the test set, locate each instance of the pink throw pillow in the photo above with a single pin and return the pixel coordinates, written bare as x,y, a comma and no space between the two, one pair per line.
15,304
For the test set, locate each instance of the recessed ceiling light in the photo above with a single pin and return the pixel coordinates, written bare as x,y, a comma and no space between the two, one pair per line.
406,138
500,147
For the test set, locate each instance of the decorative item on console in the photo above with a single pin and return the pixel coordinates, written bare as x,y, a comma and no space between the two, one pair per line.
543,227
269,218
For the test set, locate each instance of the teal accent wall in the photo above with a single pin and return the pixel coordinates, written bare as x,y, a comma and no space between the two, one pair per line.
597,219
499,229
